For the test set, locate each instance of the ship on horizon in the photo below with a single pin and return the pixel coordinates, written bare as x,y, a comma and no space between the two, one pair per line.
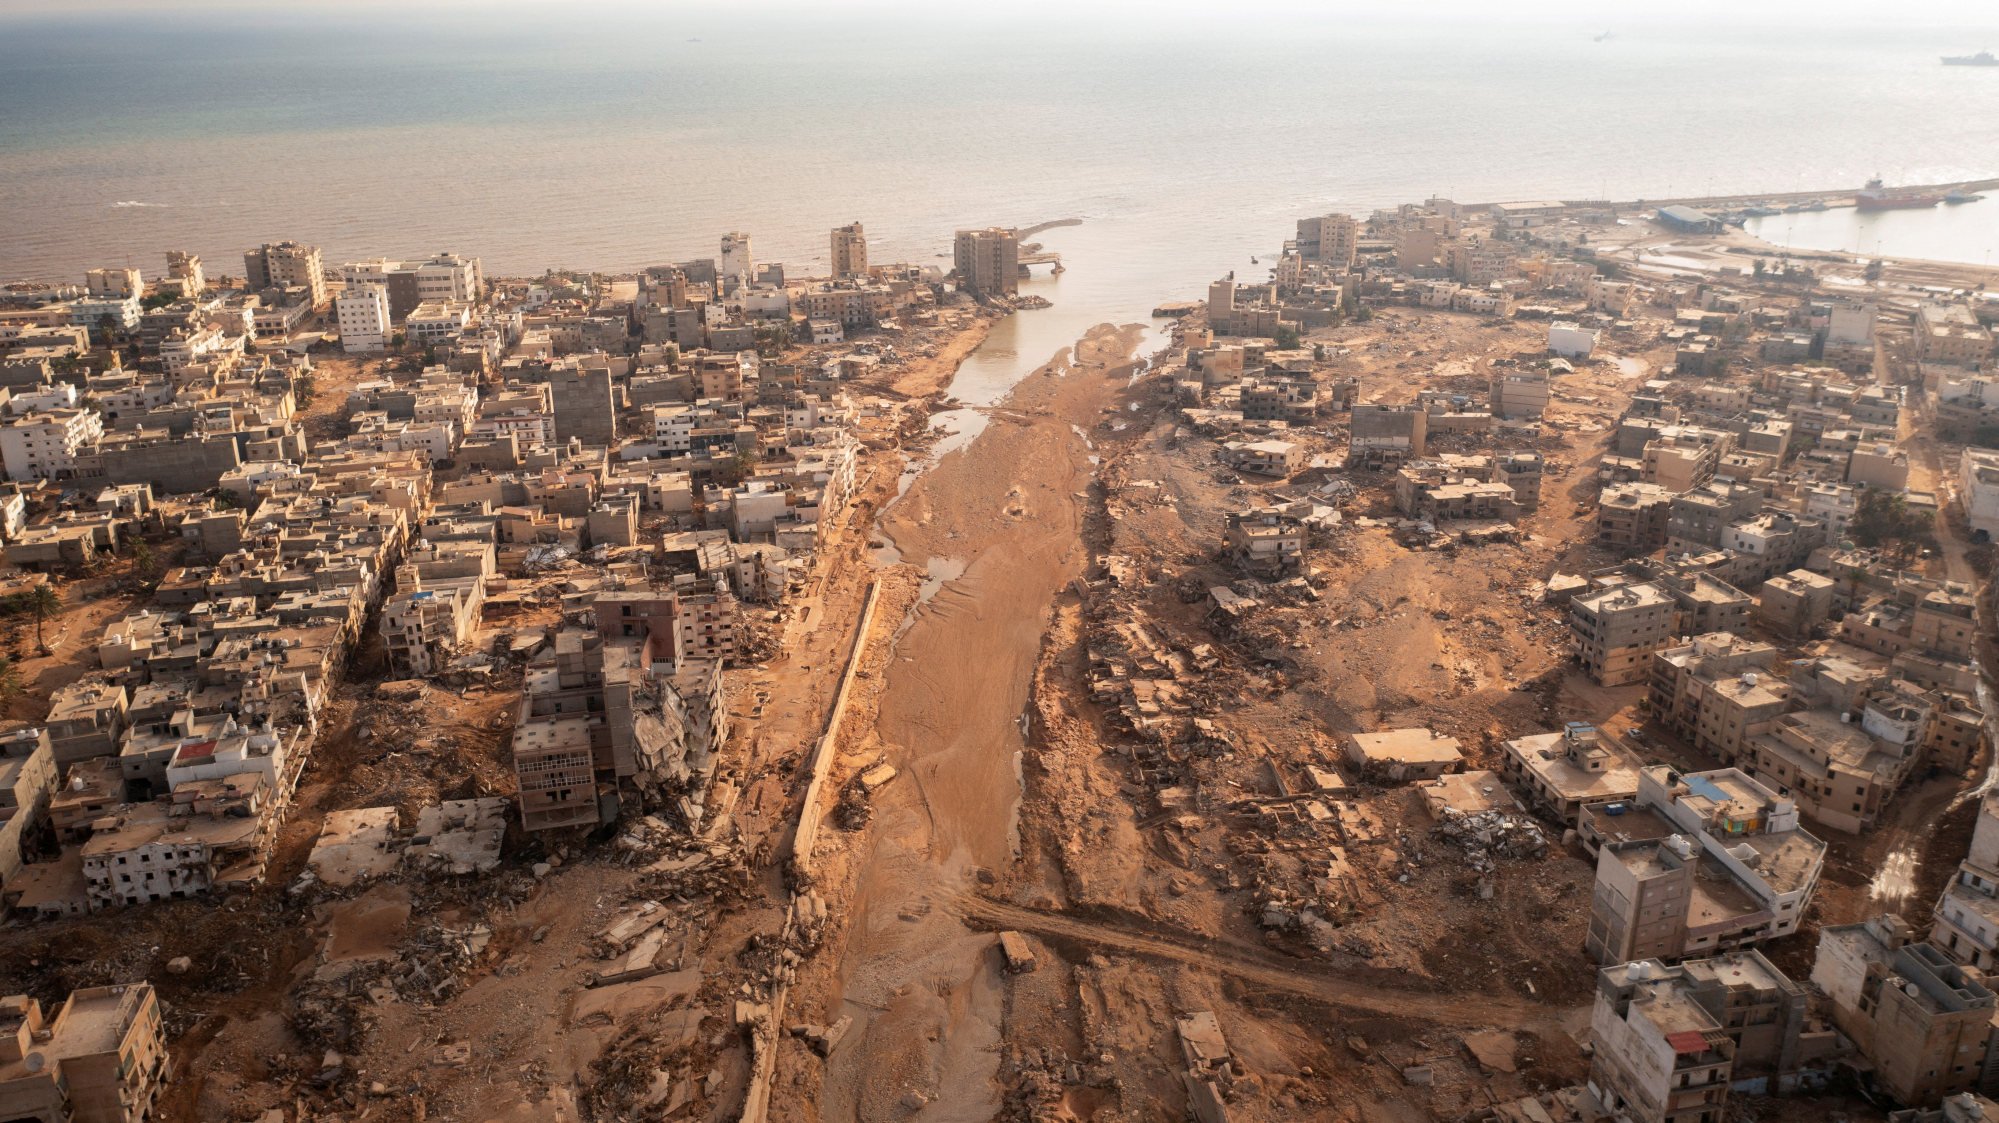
1875,197
1982,58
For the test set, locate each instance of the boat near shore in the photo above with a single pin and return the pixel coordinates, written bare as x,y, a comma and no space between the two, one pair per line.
1875,197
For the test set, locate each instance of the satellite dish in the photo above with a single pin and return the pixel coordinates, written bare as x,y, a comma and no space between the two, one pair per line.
33,1062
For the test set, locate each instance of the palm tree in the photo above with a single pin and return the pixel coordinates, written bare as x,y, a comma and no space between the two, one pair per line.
43,601
10,679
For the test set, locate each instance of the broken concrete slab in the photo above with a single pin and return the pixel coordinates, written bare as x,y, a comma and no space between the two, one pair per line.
460,836
355,846
1019,955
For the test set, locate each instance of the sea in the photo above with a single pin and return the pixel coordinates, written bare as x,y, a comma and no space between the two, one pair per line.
1186,137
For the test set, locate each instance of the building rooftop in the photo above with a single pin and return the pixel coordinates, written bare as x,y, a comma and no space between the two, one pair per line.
1407,746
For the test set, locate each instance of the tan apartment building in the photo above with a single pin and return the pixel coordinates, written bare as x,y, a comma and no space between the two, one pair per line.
1667,1042
1717,692
1840,774
1658,1056
987,261
1380,435
1924,1020
27,784
102,1058
1569,772
1265,541
1949,333
1332,239
1792,605
850,252
1617,629
1681,459
1632,516
287,265
1520,393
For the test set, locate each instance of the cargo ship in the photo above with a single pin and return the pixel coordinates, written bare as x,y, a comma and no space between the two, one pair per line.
1875,197
1982,58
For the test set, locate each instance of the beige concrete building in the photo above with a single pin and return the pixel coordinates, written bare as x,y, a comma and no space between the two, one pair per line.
1617,629
1967,915
850,252
184,272
102,1058
1840,773
287,265
1949,333
1924,1020
27,784
424,625
1570,771
1667,1042
1519,393
1403,754
987,261
1728,866
1792,605
1633,516
113,284
1718,692
1331,239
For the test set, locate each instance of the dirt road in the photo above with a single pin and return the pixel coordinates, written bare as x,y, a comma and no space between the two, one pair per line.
1261,968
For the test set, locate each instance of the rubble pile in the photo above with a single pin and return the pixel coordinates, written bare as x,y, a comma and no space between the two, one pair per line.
1485,837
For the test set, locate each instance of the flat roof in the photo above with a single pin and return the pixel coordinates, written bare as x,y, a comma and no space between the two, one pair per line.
1415,745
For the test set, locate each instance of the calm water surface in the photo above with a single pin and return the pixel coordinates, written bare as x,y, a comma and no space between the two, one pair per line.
613,136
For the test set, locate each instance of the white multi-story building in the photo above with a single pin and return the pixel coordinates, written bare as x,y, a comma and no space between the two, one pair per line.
1571,340
48,396
447,277
45,445
90,313
437,321
182,349
363,313
1967,916
374,271
528,427
1978,481
736,267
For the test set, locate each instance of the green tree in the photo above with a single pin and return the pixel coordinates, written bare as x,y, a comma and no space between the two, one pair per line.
10,679
41,602
143,559
1883,520
1287,338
